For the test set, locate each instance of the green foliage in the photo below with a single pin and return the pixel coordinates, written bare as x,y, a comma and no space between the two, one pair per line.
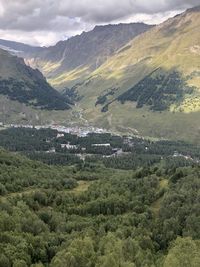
103,99
110,223
123,152
182,201
183,253
38,93
158,90
71,94
19,263
4,261
79,253
18,173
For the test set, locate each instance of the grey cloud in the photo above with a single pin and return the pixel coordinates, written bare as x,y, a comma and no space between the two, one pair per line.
66,16
109,10
32,15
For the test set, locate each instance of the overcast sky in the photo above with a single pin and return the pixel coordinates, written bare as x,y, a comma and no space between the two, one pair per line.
44,22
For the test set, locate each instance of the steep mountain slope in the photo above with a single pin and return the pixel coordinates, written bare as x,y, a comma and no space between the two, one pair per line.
157,71
21,83
70,61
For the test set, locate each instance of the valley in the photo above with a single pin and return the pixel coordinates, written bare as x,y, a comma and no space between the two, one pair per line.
154,93
99,134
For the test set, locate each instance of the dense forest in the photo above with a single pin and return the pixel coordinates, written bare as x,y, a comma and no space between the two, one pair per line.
158,90
90,215
38,94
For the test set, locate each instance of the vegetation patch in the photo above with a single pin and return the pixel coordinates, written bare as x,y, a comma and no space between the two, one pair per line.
106,222
101,100
38,94
159,90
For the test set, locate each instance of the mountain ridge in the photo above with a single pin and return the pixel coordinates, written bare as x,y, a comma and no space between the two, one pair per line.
18,48
69,61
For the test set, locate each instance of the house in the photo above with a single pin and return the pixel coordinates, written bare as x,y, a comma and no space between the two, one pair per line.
105,145
68,146
52,150
59,135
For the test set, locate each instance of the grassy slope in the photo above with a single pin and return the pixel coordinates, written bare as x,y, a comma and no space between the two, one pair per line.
128,119
70,61
14,67
18,113
173,44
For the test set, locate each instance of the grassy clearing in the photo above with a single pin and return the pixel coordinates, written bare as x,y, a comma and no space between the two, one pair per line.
28,191
82,187
155,207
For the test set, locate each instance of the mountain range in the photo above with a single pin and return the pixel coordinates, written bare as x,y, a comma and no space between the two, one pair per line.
128,77
73,59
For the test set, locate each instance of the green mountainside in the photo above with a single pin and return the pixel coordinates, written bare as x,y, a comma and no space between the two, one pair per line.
28,86
151,85
171,46
70,61
80,196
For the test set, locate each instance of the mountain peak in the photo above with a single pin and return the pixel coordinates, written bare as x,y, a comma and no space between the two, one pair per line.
111,26
194,9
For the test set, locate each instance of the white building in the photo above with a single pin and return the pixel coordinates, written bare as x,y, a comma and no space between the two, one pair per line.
105,145
59,135
68,146
52,150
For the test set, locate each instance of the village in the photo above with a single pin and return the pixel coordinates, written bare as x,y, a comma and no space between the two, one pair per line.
105,148
79,131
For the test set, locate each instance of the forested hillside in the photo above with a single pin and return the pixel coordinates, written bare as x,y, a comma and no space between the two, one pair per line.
21,83
88,215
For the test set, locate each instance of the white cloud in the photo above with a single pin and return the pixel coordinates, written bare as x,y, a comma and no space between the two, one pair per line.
149,18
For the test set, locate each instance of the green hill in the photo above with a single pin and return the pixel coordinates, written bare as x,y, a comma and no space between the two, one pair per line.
21,83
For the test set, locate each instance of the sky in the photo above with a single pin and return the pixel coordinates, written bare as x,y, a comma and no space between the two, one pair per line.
45,22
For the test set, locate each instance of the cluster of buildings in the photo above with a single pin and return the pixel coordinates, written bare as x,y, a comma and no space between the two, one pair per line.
187,157
79,131
82,132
